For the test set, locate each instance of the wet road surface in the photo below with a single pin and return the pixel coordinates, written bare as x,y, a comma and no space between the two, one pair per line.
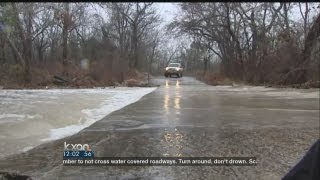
185,118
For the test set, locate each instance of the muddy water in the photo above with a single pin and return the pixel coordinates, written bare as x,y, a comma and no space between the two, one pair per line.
31,117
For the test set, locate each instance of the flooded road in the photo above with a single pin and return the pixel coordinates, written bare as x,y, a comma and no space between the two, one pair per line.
185,118
31,117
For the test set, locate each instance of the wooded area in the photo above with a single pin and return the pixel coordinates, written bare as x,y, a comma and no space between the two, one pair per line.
99,44
258,43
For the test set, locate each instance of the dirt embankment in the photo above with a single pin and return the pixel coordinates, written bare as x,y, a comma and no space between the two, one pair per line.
216,79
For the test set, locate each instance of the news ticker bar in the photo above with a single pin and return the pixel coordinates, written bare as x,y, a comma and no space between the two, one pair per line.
162,161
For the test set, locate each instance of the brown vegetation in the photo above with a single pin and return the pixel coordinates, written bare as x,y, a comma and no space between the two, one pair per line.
72,76
214,79
69,44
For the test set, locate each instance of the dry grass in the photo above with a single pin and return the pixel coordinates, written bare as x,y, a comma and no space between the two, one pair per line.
42,76
214,79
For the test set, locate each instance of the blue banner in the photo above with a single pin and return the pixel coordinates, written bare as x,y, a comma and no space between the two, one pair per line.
78,154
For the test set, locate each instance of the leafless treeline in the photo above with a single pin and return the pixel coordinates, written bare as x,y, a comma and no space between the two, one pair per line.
255,42
113,37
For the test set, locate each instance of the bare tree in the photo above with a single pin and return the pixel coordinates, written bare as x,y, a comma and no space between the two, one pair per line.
305,17
255,42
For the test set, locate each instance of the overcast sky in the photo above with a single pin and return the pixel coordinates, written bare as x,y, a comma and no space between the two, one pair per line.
167,10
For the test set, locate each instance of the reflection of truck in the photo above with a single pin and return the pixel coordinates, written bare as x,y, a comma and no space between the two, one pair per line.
173,68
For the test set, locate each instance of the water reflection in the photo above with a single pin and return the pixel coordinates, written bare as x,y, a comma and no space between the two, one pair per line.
177,100
177,84
175,93
172,138
166,103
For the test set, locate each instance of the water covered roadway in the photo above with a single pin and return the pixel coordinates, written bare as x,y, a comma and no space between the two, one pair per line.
31,117
185,117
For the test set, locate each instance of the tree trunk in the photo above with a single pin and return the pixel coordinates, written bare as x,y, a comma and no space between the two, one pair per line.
65,32
28,43
26,40
2,50
205,65
286,18
15,50
40,54
135,47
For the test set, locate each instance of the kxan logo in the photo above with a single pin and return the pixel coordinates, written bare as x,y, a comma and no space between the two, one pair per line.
77,147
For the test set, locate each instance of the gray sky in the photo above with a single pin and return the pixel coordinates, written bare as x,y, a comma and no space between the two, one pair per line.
167,10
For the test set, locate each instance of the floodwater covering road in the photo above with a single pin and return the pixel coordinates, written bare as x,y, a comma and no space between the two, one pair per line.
276,126
31,117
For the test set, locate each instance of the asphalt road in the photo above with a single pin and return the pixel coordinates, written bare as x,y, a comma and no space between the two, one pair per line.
269,124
